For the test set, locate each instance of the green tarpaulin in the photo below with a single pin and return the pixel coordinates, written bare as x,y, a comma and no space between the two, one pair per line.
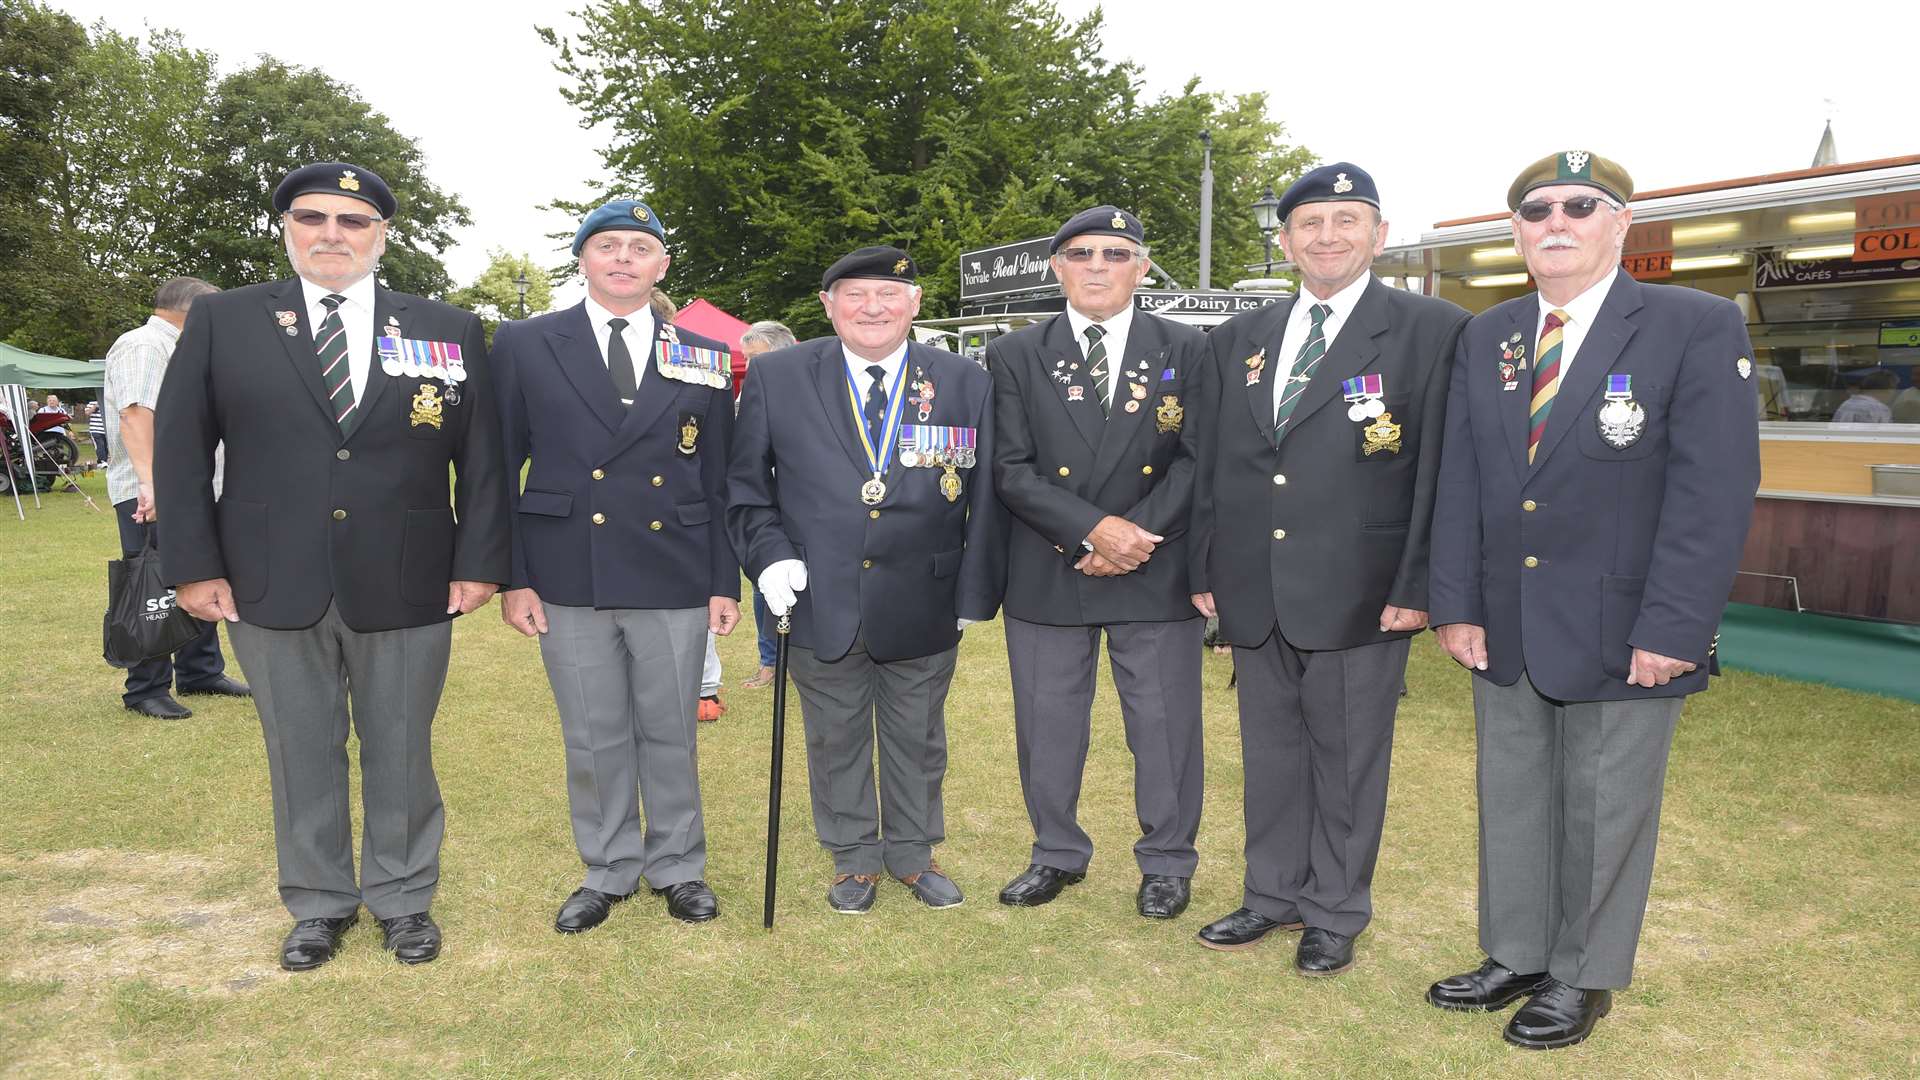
1859,654
48,372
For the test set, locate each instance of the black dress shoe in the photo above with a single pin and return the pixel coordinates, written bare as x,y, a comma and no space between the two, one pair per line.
690,901
1038,885
1162,896
1557,1015
1243,929
585,909
412,939
1486,988
1322,953
161,708
313,942
222,686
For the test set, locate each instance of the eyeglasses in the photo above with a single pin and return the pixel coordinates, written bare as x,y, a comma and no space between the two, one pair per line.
1117,256
314,219
1580,206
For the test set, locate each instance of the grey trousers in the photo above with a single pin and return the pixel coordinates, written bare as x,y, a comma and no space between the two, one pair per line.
843,704
1156,672
627,684
1569,815
308,685
1316,735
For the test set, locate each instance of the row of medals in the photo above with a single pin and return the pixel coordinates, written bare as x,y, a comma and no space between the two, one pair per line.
952,459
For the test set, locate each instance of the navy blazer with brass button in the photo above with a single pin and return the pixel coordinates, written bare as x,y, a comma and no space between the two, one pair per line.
614,514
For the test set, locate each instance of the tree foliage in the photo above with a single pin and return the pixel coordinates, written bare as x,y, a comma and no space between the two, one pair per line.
495,294
775,136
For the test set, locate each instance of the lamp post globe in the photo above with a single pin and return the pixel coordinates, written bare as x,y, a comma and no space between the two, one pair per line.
521,285
1266,213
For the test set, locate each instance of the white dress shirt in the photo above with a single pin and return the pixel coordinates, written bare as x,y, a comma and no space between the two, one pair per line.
638,335
1117,328
1300,324
1581,311
356,316
863,381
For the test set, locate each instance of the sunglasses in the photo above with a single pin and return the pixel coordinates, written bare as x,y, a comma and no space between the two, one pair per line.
314,219
1117,256
1538,210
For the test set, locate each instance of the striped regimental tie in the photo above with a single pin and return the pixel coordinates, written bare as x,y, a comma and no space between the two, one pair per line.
335,372
1303,365
1097,362
1546,379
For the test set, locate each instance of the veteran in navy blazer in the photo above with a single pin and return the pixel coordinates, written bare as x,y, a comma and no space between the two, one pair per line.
1095,460
336,550
881,561
1310,539
1596,485
620,559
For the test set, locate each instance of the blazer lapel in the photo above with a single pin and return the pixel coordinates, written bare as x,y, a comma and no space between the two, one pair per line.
385,303
1611,329
830,381
1352,352
1146,355
1273,369
1512,405
299,344
657,392
1060,357
579,359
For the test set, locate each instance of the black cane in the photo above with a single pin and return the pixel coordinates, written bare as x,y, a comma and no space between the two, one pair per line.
781,629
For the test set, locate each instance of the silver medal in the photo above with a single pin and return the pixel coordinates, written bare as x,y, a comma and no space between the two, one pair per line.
1357,411
1373,407
873,491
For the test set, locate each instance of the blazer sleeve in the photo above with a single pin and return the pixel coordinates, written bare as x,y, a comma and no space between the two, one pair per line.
983,565
1436,347
1054,512
1713,471
482,531
723,565
753,494
515,436
1204,416
185,432
1454,581
1167,508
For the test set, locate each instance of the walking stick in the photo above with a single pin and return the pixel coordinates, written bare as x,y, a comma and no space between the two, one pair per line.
781,629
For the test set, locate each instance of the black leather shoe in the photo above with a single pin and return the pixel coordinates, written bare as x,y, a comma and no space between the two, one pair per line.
161,708
221,687
1038,885
690,901
412,939
1241,930
852,894
1162,896
313,942
1322,953
1557,1015
585,909
1486,988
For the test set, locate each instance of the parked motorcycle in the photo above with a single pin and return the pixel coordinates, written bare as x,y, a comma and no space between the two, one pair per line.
53,450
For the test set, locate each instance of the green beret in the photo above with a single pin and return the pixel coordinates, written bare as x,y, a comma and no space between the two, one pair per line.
1572,167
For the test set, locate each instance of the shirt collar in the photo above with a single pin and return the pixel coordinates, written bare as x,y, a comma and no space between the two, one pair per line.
360,292
1119,323
892,361
1583,309
1342,302
639,318
155,322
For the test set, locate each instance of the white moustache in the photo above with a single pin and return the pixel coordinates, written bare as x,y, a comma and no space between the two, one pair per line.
328,249
1556,240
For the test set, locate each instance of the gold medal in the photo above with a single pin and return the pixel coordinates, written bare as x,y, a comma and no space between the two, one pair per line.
950,484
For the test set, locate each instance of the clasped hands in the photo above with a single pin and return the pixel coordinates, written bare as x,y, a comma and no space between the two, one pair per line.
1119,547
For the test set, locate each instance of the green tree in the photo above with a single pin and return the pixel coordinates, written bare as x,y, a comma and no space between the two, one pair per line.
39,50
773,137
495,294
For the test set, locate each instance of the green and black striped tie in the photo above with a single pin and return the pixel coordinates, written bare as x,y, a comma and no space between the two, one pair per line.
335,372
1303,365
1097,362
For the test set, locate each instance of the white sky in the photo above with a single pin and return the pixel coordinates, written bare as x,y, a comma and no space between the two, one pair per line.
1442,103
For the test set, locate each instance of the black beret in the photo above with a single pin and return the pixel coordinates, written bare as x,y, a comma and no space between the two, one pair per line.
886,263
1099,221
630,214
335,178
1338,182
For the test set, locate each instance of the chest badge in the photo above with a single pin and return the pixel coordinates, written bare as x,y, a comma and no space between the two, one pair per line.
1167,416
1621,418
1382,434
689,434
426,406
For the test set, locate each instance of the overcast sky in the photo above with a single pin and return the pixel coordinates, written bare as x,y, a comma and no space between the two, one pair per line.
1443,104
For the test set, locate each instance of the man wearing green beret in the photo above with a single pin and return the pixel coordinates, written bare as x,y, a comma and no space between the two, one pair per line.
1598,476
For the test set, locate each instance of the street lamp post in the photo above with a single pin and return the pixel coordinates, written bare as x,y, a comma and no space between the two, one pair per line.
521,285
1266,212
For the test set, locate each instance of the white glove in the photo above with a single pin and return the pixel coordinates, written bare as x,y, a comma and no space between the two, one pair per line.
780,583
962,624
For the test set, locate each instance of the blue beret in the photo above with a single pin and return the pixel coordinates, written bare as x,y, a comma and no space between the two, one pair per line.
335,178
1338,182
886,263
1099,221
630,214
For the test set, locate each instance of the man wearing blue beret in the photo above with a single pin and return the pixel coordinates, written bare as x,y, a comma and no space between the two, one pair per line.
1310,540
335,550
1598,478
620,564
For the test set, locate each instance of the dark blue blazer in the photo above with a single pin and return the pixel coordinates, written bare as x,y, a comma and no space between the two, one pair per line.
614,515
896,575
1634,547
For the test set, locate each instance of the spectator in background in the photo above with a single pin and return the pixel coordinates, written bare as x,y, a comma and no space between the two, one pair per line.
763,337
52,405
1872,400
135,365
97,430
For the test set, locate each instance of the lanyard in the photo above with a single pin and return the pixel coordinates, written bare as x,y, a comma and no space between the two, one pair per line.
878,456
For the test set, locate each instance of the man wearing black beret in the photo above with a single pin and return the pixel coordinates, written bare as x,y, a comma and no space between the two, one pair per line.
336,551
1095,459
884,537
1310,532
619,554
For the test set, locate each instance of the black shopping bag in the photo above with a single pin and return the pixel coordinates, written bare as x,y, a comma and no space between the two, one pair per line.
142,621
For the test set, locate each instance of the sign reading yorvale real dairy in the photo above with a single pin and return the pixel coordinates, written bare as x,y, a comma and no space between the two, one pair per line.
1009,268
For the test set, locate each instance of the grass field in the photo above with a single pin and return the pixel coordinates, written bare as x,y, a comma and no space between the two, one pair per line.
139,926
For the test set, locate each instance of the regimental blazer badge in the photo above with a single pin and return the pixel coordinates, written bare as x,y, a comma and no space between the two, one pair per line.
426,406
1169,414
1382,434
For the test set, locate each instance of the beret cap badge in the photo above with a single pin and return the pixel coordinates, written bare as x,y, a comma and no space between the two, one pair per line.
900,267
1577,160
1119,222
348,181
1341,184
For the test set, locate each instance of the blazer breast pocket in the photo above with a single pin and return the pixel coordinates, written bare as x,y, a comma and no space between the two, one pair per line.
1385,438
1624,430
424,408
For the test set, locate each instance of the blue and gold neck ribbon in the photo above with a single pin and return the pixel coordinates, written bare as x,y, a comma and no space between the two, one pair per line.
880,455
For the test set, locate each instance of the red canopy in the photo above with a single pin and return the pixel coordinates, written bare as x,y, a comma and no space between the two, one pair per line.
703,318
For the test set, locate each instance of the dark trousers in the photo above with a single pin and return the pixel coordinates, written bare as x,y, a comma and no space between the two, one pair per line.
196,664
100,449
763,622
